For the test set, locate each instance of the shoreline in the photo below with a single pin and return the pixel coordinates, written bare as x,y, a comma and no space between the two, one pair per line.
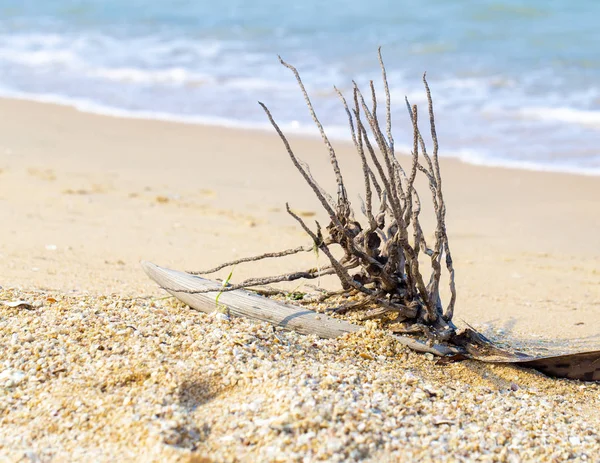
310,132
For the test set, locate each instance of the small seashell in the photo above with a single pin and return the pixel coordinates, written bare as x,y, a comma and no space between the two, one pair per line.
410,378
575,440
222,316
11,378
18,304
440,420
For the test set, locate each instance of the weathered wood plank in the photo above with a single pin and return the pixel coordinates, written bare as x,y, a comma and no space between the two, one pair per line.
246,304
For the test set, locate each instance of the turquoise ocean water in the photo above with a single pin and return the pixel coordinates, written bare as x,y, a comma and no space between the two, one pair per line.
515,82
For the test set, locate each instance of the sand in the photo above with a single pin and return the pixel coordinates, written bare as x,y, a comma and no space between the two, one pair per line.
103,368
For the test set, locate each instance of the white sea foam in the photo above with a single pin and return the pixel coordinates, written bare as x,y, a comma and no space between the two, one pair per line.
485,159
568,115
168,76
36,50
35,58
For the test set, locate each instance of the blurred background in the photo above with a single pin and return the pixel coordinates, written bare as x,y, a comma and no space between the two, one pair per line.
515,83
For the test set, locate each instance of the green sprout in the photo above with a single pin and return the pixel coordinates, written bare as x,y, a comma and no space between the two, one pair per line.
221,307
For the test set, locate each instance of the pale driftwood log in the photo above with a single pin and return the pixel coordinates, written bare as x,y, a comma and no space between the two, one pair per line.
242,303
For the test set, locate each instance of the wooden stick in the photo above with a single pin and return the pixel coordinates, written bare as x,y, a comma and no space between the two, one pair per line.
242,303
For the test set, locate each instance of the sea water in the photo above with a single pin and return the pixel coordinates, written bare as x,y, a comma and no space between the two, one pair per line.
514,83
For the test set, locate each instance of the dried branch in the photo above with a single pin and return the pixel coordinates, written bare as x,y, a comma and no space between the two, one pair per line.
358,144
388,103
266,255
342,196
310,274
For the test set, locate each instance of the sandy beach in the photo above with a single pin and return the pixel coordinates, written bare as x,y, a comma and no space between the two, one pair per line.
103,368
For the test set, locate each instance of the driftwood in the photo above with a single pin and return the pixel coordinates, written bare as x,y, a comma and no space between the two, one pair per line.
469,345
246,304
